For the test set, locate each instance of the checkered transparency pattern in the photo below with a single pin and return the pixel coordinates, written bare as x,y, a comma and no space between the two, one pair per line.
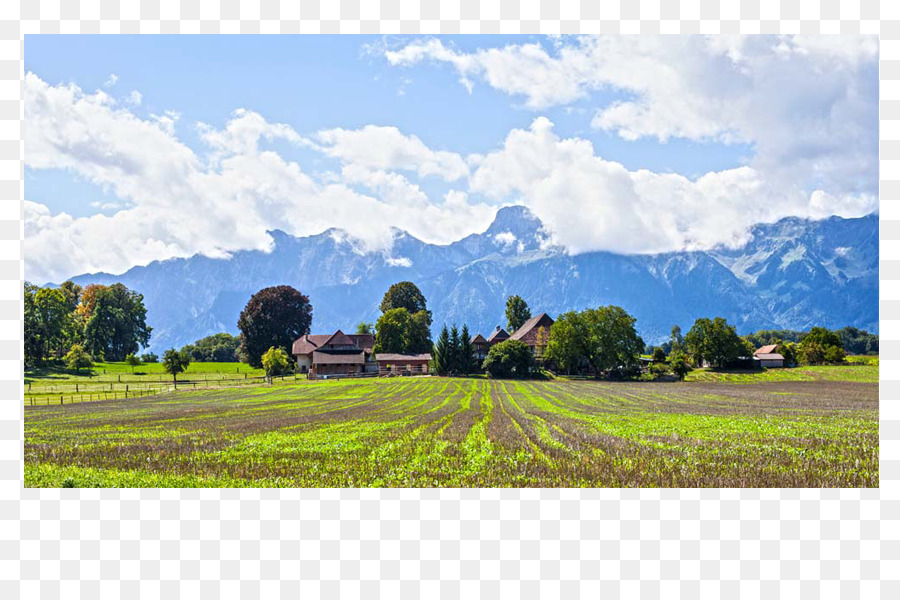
448,543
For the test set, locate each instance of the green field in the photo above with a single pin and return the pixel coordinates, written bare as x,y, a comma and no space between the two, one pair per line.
425,432
117,380
859,372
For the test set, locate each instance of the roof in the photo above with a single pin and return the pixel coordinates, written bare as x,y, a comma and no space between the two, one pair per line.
766,349
498,334
384,357
320,357
769,356
339,338
311,342
530,324
478,339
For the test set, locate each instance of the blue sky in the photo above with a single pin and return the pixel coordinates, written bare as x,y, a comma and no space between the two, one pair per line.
320,82
642,143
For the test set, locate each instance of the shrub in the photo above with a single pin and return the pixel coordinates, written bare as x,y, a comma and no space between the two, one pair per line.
276,362
659,355
510,358
78,359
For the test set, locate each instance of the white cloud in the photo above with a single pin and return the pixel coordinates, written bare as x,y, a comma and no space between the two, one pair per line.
588,203
505,238
134,98
179,204
376,147
401,261
111,80
807,104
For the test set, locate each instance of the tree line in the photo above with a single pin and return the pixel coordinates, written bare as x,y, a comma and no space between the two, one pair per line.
96,322
101,322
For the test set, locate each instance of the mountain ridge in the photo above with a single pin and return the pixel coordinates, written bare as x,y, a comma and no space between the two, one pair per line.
791,274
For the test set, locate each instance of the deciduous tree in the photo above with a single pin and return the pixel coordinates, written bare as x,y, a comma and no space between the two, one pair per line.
175,362
517,312
78,359
276,362
118,323
509,358
274,316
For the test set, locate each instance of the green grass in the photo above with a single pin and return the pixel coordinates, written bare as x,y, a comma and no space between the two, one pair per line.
432,432
857,371
116,380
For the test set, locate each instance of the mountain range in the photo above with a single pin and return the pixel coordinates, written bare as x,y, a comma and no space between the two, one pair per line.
792,274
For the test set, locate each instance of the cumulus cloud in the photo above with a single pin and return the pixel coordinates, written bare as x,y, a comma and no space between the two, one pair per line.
180,203
376,147
807,104
589,203
111,80
807,108
134,98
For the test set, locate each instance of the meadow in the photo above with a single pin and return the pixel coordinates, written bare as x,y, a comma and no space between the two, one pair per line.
429,432
117,380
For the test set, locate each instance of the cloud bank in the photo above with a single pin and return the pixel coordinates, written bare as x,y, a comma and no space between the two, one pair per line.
807,108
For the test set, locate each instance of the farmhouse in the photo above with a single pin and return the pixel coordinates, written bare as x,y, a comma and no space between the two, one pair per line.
497,336
402,364
768,358
334,354
480,347
535,333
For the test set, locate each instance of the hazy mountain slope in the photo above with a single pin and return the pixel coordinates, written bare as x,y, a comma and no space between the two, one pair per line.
791,274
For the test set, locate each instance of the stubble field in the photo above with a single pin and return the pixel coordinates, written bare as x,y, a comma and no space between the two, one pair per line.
427,432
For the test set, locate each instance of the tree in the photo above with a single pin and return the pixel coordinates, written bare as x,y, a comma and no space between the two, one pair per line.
32,326
834,355
715,341
420,333
857,341
72,293
676,340
659,355
542,338
466,352
517,312
51,319
363,328
78,359
821,345
509,358
789,351
149,357
132,361
678,364
613,343
404,295
88,301
455,355
567,348
175,362
274,316
442,352
276,362
219,347
117,325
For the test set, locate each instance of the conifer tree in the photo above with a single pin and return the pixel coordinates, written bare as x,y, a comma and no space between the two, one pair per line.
467,354
455,351
442,353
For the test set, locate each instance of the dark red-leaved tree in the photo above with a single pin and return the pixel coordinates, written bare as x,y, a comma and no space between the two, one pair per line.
274,316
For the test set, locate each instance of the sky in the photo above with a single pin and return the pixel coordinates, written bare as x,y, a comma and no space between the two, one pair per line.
142,148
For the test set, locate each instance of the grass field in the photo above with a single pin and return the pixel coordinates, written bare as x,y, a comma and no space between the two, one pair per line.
424,432
117,380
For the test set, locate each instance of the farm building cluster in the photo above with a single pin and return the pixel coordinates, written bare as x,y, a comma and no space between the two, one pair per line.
340,355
